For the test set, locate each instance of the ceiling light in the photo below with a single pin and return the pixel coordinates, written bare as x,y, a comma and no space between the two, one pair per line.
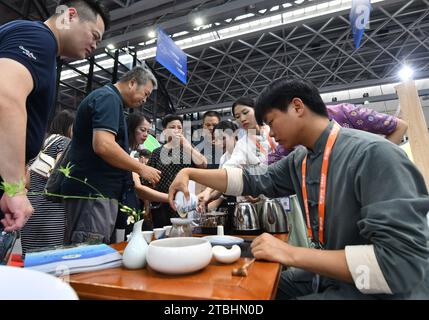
198,21
111,47
406,73
151,34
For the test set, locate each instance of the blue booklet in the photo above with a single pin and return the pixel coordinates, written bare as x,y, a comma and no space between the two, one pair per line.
76,259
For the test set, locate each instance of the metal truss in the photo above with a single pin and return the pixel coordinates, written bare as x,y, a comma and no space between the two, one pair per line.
319,51
31,9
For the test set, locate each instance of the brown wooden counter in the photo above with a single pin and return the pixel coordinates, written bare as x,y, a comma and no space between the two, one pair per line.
213,282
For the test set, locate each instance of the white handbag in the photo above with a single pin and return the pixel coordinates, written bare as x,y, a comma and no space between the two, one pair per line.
43,164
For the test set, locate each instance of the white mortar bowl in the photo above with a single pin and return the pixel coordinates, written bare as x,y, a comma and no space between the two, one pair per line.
179,255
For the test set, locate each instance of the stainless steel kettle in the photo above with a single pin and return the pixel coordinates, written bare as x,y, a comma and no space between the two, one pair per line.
245,217
273,217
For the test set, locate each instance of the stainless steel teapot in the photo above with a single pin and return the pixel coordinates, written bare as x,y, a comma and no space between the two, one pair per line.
245,217
273,217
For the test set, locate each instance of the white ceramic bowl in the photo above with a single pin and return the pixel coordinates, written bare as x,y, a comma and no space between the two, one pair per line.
167,230
179,255
147,235
28,284
225,255
159,233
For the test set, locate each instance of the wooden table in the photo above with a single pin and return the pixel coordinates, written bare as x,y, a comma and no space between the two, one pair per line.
213,282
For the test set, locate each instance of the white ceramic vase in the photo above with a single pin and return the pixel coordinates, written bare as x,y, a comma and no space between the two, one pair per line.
134,256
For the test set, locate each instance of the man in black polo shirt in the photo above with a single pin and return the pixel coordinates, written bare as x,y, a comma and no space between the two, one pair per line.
99,154
206,144
28,52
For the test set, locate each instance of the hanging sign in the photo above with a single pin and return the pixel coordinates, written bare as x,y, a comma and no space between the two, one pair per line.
359,19
171,56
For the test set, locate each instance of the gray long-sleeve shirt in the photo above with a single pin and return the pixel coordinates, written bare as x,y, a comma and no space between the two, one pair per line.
376,202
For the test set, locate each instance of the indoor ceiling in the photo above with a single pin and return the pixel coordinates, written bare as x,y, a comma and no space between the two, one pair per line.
319,49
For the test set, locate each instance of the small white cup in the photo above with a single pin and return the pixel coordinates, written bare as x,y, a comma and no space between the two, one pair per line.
147,235
220,231
167,230
159,233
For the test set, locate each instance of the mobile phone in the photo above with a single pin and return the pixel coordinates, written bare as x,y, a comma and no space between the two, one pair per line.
7,241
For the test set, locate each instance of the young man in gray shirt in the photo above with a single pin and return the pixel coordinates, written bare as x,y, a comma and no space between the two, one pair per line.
363,201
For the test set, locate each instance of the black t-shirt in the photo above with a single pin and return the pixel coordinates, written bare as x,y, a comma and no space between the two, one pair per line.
207,149
101,110
33,45
169,162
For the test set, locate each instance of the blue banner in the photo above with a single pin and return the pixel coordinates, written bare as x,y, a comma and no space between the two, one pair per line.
359,19
171,56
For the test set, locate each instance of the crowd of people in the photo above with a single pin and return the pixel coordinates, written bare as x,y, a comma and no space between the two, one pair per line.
365,202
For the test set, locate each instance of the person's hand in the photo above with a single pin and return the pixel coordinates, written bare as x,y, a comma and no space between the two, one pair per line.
184,142
268,247
150,174
180,183
252,199
176,138
203,199
17,210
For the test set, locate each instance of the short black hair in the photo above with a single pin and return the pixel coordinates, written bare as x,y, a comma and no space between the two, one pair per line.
61,123
169,118
133,121
211,113
279,93
243,101
144,153
89,9
226,125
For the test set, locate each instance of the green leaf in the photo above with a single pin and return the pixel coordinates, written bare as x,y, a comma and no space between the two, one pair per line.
12,189
66,170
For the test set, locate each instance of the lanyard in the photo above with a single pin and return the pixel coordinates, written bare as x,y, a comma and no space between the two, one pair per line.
322,191
270,141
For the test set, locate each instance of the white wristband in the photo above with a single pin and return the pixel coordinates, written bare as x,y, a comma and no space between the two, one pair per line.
235,181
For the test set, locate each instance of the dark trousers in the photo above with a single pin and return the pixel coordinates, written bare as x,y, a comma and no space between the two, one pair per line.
90,220
303,285
295,283
161,215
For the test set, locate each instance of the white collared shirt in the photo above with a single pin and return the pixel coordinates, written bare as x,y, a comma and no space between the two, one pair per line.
246,154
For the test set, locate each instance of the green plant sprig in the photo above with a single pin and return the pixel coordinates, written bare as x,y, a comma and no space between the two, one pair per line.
13,189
